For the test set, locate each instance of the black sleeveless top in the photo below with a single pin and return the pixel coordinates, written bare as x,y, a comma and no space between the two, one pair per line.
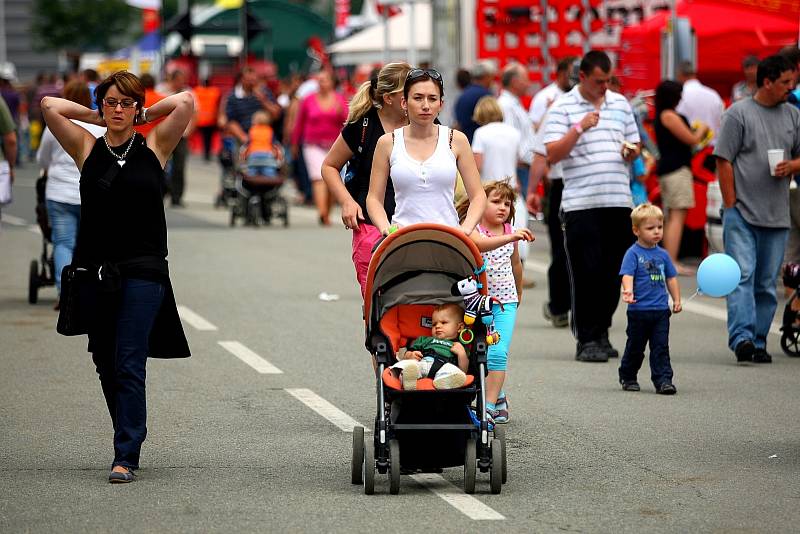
126,222
674,152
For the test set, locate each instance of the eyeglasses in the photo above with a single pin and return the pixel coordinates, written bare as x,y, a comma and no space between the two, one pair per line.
113,103
413,74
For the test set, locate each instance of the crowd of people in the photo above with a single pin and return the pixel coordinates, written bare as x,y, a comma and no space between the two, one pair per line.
384,154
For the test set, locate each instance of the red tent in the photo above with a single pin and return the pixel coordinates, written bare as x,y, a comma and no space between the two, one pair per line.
725,32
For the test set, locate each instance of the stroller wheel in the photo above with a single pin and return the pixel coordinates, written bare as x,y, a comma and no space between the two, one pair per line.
790,342
368,472
358,455
33,282
500,434
496,471
470,466
394,467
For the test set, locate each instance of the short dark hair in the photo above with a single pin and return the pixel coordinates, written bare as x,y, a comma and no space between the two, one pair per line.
148,81
792,53
90,75
668,95
772,67
511,71
686,68
463,78
126,83
595,59
565,64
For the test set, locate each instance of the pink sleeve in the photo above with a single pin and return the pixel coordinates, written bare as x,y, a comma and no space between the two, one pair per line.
508,229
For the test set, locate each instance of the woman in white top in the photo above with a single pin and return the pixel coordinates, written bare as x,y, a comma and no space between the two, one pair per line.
62,193
495,143
423,159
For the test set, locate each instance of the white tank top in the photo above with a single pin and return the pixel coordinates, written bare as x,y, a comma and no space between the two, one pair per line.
423,190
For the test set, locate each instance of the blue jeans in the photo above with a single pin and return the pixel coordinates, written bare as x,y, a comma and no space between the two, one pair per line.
122,372
644,326
759,253
504,324
64,219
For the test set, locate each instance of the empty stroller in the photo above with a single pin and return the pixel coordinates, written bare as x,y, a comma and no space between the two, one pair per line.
41,272
790,329
258,181
411,271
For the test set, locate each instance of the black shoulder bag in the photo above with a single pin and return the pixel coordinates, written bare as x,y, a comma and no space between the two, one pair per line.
81,287
354,162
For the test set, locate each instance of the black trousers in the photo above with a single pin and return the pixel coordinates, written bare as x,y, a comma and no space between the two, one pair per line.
595,240
207,132
177,176
557,274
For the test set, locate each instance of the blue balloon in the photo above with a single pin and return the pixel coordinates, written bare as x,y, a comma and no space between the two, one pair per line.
718,275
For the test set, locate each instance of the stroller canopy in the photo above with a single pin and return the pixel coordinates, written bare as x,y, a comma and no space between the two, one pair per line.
419,264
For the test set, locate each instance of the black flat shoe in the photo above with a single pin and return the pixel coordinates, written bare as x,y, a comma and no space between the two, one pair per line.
122,478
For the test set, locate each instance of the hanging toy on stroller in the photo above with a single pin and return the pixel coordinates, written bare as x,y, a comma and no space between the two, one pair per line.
790,329
477,306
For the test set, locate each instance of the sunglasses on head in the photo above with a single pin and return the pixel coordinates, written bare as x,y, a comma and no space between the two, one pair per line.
433,74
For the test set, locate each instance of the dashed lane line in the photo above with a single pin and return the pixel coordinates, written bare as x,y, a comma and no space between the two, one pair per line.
13,220
250,358
197,322
455,497
324,408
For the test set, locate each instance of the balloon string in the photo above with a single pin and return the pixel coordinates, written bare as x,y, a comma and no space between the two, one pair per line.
693,296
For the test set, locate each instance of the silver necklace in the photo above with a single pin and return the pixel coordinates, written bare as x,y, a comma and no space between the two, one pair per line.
120,159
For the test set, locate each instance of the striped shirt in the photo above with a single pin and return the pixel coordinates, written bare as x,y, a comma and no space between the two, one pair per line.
595,174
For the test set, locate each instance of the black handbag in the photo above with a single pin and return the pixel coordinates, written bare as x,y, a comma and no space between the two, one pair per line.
78,302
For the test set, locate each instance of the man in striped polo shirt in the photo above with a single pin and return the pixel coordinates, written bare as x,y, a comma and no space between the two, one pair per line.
592,131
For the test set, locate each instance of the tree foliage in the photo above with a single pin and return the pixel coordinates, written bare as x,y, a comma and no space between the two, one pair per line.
79,25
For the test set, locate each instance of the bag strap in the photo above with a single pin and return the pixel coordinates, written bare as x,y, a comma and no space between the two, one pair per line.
451,138
364,125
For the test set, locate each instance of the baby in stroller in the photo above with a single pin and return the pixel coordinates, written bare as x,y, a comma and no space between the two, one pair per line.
261,152
439,356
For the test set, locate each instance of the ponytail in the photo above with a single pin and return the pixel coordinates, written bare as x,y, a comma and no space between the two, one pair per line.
362,102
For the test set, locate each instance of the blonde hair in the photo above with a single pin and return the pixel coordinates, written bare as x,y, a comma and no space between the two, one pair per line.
487,110
261,117
502,188
391,79
645,211
450,307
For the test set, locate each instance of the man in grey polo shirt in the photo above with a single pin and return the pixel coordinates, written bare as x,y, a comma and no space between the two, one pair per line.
592,131
755,220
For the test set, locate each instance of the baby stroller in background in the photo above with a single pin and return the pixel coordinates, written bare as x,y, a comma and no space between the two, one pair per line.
42,272
227,160
258,197
411,271
790,329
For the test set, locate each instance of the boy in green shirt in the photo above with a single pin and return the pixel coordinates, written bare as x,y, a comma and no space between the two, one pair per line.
441,347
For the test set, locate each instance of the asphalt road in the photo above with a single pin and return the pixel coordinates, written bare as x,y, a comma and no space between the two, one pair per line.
232,449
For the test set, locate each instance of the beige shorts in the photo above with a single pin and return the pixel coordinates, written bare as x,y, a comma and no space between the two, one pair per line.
314,156
677,189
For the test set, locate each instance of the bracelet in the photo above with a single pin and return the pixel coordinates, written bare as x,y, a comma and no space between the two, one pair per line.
144,115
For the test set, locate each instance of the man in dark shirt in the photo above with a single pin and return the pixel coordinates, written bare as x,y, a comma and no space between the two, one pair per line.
245,99
482,75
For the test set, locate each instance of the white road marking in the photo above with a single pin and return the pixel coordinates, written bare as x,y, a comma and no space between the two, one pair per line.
193,319
706,310
35,229
324,408
13,220
455,497
250,358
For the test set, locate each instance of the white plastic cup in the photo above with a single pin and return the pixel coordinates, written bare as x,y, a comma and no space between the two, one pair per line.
775,156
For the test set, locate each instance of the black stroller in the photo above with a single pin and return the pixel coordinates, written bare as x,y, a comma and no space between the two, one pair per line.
790,329
258,199
411,271
41,272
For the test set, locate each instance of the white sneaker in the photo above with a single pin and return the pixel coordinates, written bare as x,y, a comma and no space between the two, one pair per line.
410,375
449,377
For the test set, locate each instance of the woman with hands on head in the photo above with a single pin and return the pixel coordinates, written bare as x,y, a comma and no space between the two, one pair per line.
423,159
123,237
375,109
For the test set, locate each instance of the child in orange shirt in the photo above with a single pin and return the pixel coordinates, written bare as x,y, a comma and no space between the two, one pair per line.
260,151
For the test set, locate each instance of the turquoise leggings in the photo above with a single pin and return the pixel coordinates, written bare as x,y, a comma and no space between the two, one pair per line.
504,324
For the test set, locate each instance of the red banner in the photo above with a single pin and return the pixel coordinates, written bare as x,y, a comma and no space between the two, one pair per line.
784,8
150,20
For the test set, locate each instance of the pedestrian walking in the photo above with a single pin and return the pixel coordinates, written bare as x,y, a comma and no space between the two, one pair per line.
8,155
123,236
543,99
423,159
675,138
62,190
758,151
375,109
699,103
593,132
316,128
483,74
746,87
208,97
647,276
176,83
495,144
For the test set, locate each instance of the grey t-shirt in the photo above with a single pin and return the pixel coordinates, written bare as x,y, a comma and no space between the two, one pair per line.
748,131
